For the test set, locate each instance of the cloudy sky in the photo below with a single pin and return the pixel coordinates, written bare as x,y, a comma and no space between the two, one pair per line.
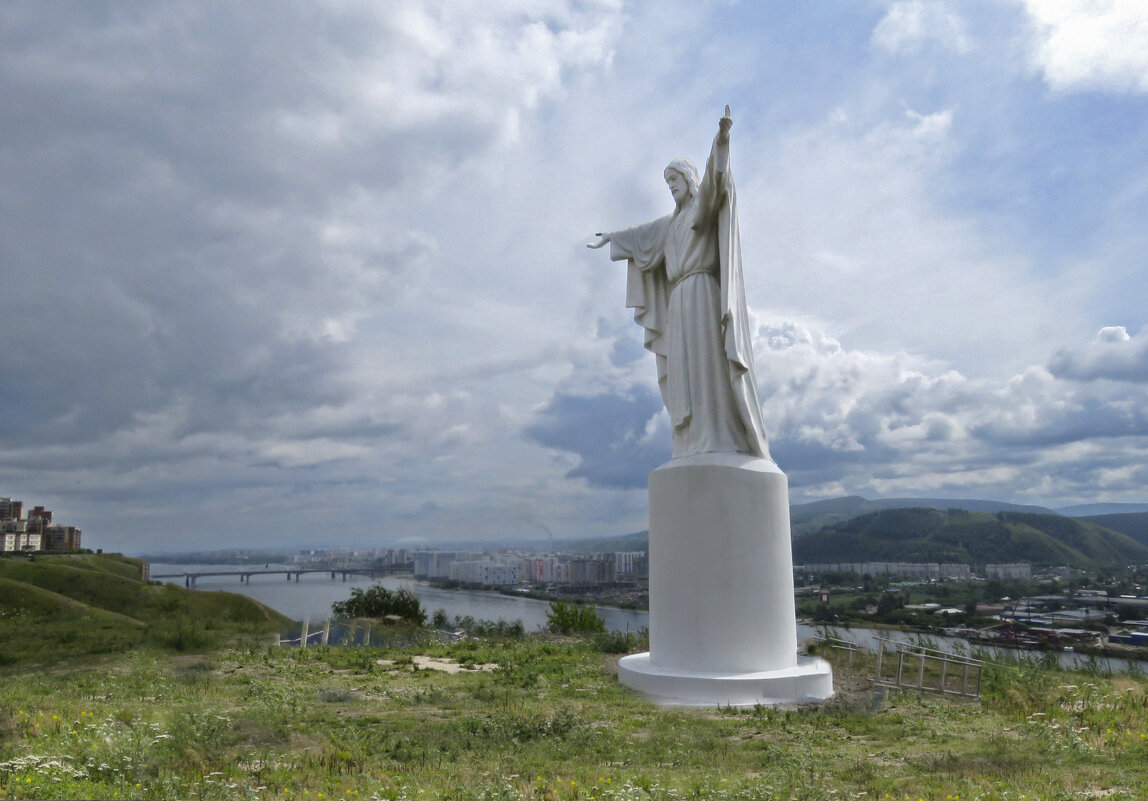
315,272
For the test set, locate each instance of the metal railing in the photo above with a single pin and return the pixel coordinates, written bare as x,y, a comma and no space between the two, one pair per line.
916,667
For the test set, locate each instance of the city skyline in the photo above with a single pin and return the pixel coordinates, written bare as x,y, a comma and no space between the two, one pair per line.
318,273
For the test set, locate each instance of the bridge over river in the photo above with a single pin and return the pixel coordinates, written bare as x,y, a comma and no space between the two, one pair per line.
245,575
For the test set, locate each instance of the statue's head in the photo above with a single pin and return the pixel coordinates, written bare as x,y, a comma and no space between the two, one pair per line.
683,179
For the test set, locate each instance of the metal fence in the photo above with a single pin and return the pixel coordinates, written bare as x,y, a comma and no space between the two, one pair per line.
907,666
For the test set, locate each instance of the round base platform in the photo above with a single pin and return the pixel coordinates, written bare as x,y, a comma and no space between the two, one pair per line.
811,681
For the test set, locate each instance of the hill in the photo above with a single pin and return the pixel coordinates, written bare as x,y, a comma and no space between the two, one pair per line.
1096,509
813,516
977,538
1135,525
638,541
61,606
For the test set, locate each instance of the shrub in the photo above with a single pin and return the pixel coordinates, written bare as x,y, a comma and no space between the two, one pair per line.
378,601
568,618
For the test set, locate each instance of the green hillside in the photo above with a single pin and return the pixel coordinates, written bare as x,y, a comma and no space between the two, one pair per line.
933,535
58,607
815,515
1134,524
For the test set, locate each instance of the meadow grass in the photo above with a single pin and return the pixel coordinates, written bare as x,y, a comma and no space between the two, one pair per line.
549,722
75,604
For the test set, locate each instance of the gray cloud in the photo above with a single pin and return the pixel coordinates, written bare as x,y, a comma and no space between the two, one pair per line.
610,434
290,268
1114,355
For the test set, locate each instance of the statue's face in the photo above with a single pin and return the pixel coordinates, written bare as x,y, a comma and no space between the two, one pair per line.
678,185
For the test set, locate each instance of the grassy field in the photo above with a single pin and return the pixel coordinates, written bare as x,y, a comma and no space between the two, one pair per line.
540,718
77,604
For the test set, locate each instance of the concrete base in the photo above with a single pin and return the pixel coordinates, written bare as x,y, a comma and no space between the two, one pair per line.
810,681
723,629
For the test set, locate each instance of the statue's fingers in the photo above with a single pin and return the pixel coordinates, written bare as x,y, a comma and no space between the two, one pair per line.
727,111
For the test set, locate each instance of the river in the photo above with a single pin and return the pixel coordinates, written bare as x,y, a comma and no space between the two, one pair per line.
311,597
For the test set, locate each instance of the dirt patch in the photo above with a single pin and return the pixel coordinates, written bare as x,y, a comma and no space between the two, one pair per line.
443,665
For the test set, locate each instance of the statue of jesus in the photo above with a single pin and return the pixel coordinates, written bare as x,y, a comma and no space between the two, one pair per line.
684,282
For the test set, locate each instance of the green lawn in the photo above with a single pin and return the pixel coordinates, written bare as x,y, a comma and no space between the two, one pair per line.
549,721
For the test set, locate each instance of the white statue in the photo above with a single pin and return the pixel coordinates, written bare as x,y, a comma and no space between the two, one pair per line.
684,282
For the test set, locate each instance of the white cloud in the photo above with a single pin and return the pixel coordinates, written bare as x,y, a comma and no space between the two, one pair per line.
910,25
856,209
1091,45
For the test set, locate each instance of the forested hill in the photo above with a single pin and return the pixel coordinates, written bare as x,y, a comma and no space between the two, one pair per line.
813,516
976,538
1134,524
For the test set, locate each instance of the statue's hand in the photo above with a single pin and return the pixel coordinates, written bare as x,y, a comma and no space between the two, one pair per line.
602,240
724,124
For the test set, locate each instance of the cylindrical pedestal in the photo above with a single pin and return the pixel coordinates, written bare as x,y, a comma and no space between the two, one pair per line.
722,622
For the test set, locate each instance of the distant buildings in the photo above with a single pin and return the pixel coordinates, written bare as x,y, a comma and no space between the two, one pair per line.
1011,571
507,569
36,532
350,556
925,570
487,572
632,563
436,564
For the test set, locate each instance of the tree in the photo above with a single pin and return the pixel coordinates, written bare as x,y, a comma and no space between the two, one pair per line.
568,618
378,601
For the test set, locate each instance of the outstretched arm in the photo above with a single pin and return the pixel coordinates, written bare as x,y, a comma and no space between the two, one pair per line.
602,240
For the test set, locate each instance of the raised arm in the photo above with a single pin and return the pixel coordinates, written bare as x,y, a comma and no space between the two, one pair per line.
721,142
711,193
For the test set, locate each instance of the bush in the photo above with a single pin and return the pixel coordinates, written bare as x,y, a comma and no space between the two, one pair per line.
619,642
567,618
378,601
512,629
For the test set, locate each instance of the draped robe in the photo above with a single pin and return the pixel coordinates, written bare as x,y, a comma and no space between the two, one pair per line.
684,282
